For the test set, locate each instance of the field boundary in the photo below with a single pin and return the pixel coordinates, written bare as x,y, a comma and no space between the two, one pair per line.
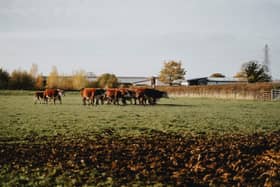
258,91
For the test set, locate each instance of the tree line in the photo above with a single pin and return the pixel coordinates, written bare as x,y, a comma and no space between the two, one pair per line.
171,71
32,80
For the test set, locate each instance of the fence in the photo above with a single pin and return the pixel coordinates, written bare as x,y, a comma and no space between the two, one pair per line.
257,91
266,96
272,95
275,95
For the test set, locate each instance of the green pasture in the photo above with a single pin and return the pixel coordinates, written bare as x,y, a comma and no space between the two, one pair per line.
21,118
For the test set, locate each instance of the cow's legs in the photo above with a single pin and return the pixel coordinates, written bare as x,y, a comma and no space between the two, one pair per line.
99,98
40,100
123,101
84,101
151,100
47,99
142,100
60,100
102,100
116,101
92,101
35,100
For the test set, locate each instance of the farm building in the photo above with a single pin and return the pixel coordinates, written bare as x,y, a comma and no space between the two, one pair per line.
131,80
213,81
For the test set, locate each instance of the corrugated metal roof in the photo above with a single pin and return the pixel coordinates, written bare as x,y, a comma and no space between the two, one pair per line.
132,79
224,79
218,79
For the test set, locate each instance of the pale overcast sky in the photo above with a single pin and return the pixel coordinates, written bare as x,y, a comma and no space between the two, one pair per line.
129,37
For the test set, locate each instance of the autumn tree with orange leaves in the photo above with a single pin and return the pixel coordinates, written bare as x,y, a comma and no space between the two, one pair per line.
171,72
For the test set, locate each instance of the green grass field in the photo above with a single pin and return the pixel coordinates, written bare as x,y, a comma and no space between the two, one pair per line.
20,117
172,143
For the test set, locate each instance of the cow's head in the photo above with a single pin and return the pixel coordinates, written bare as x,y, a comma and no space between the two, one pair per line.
61,92
164,95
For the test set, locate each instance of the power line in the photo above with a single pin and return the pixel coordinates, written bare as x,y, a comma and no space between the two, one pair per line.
266,62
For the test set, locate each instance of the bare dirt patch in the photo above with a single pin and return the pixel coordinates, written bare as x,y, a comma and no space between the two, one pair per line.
158,158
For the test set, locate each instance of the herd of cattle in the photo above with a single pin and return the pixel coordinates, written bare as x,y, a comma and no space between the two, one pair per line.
96,96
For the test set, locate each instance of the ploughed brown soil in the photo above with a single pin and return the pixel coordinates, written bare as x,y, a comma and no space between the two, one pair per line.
167,159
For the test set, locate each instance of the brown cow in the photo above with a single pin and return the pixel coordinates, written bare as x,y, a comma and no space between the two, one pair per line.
139,95
54,94
89,95
39,97
112,96
86,94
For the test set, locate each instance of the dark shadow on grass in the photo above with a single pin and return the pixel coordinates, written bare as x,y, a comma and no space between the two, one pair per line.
122,105
173,105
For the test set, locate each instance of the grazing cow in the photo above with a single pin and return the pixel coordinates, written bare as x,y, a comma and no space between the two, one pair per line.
99,94
112,95
39,97
125,94
86,94
130,95
54,94
90,94
139,95
151,95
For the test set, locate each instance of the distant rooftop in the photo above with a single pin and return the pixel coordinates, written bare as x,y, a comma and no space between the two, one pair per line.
123,79
220,79
214,80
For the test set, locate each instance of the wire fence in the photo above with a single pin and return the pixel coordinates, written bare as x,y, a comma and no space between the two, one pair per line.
273,95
